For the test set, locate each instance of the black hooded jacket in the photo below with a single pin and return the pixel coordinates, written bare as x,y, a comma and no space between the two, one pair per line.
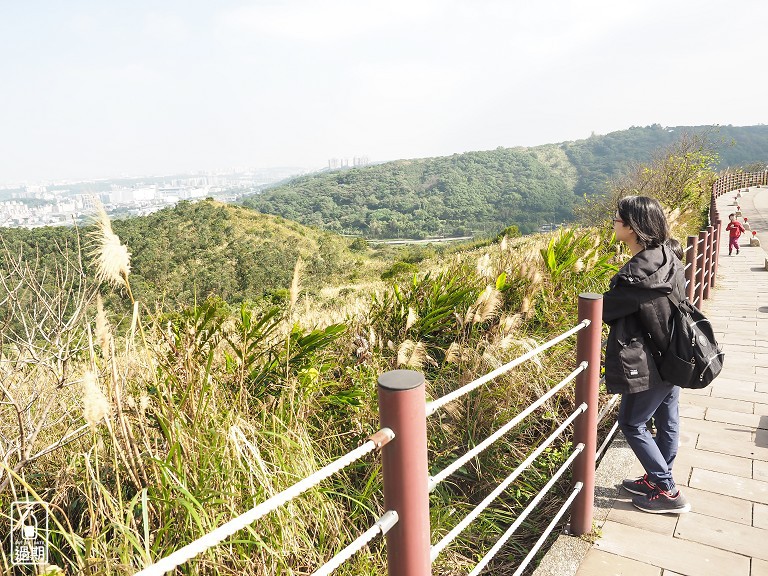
640,316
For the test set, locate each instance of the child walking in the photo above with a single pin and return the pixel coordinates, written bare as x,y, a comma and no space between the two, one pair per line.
735,229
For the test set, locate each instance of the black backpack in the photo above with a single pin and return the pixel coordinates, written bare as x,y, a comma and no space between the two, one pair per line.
693,358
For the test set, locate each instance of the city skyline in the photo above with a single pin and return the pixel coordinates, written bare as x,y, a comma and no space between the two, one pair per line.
94,91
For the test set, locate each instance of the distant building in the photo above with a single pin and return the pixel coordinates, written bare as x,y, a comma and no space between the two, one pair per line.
35,191
338,163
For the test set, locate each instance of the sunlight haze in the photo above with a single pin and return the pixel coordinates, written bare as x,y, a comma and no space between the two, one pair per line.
93,89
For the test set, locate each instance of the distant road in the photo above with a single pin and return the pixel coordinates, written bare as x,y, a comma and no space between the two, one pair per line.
425,241
754,202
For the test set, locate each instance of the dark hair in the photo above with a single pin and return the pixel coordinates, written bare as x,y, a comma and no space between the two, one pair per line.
732,214
676,248
645,217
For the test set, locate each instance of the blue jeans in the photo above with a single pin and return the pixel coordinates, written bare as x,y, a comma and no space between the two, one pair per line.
655,454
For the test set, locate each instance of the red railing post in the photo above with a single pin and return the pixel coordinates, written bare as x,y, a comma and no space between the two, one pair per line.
690,271
716,248
708,271
588,347
701,265
402,408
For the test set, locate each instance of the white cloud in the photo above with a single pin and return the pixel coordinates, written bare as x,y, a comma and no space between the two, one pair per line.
165,27
325,22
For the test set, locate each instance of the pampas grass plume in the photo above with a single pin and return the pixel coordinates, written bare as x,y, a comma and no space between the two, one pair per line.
525,305
508,323
488,304
296,282
453,354
412,354
412,317
95,404
113,261
484,266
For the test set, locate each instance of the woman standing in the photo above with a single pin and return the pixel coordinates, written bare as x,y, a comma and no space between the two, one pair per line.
640,315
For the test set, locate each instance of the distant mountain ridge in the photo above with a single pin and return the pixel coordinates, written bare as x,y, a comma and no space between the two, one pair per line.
484,192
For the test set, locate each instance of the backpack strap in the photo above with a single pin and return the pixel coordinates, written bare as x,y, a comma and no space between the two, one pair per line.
674,299
656,351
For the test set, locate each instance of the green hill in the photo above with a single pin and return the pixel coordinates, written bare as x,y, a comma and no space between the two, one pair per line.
483,192
196,250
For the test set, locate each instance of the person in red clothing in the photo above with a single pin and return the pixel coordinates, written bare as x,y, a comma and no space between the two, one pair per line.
735,229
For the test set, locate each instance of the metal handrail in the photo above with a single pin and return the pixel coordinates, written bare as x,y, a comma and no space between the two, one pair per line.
607,440
458,463
607,408
448,538
200,545
383,525
528,509
548,530
435,405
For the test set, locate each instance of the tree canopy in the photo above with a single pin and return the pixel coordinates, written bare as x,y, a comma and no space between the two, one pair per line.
479,193
194,251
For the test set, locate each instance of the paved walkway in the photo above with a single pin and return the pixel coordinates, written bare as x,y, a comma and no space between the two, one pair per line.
722,465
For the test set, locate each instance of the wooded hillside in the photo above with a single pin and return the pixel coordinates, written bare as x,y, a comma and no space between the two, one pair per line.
193,251
483,192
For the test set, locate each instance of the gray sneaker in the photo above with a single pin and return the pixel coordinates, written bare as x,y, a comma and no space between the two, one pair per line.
639,486
661,502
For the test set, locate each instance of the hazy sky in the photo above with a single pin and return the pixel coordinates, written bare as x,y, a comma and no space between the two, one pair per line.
96,88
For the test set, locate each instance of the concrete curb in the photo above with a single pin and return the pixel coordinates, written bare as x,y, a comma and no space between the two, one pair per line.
565,555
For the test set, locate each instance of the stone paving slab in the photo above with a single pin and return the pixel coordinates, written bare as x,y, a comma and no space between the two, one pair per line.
742,348
624,512
730,446
723,382
728,417
760,516
760,470
759,567
686,440
599,563
761,409
722,534
716,402
735,394
692,411
670,553
730,485
735,432
699,392
718,506
725,463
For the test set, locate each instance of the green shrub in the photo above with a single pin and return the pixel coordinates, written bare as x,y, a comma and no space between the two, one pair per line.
399,269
